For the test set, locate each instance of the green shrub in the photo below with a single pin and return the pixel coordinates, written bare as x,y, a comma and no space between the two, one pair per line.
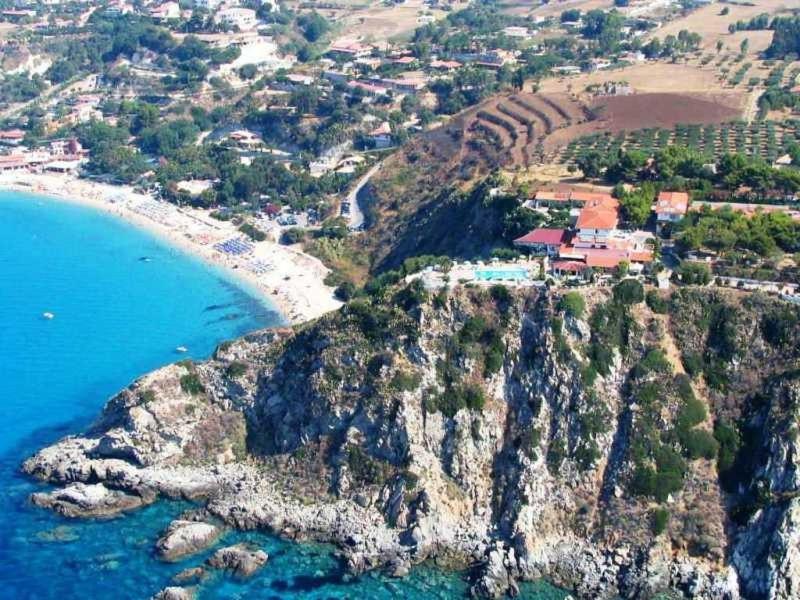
406,381
629,291
729,443
191,384
572,304
692,412
692,362
660,519
656,302
252,232
148,396
694,273
500,293
236,369
364,468
493,361
653,362
698,443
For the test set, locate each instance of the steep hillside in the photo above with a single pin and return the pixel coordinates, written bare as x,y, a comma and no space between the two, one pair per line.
526,435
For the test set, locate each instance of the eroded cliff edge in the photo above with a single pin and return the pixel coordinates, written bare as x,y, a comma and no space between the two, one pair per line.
613,446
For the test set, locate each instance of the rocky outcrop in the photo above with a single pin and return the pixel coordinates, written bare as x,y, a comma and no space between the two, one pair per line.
242,560
183,538
175,593
95,500
476,428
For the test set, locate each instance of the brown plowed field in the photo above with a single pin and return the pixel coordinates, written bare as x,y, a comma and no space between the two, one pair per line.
659,110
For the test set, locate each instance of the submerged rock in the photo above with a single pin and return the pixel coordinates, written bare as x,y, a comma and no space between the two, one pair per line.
82,500
192,574
183,538
241,559
62,533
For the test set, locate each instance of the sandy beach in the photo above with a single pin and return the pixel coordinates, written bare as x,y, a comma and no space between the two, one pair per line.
287,278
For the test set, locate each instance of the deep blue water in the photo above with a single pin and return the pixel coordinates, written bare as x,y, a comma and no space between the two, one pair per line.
116,317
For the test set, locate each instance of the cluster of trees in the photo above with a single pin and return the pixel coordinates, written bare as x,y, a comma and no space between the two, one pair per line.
120,37
685,41
605,27
726,230
755,24
786,37
21,87
681,167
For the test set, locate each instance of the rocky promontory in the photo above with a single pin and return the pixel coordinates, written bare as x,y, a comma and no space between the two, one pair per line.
612,446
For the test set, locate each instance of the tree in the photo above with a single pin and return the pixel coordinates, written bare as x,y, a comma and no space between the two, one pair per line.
744,45
573,304
592,164
313,25
720,44
694,273
248,71
629,291
637,205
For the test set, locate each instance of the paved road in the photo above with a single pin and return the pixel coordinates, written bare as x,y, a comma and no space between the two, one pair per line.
356,214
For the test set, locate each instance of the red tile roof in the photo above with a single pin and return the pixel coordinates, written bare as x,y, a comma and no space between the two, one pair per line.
551,237
672,203
569,265
599,217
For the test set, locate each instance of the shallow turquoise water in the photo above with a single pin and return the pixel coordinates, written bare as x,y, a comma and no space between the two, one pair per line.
117,316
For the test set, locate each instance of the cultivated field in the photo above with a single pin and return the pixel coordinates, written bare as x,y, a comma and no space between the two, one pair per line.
767,139
377,23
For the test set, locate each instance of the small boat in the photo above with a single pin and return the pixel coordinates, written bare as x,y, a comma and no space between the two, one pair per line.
48,315
181,349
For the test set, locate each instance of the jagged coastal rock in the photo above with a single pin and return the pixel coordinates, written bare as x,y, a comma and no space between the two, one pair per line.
95,500
615,450
175,593
241,560
183,538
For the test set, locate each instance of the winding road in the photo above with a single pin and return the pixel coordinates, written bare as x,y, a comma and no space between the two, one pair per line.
356,215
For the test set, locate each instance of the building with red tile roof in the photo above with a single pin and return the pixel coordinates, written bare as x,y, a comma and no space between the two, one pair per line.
542,241
595,225
671,206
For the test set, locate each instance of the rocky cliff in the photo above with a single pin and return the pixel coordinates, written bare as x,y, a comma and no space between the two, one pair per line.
615,450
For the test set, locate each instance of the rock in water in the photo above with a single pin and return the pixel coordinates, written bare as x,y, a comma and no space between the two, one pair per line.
82,500
183,538
242,559
174,593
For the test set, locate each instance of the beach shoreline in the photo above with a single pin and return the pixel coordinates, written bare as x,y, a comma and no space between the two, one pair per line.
287,279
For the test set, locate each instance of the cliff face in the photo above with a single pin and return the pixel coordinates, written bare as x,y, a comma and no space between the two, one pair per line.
481,427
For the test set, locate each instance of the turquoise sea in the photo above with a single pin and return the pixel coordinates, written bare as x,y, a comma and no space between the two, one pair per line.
123,301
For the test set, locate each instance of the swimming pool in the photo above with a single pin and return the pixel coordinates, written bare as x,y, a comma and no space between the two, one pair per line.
502,274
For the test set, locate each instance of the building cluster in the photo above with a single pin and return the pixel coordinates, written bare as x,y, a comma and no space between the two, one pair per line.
594,238
60,155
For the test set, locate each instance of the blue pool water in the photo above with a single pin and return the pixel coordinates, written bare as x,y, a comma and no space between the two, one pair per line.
117,316
502,274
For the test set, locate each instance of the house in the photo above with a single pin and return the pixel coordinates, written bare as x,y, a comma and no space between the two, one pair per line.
349,47
445,65
166,11
517,32
209,5
242,18
542,241
381,136
12,137
670,207
595,225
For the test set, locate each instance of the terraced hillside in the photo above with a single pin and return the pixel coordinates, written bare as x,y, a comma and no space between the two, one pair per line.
514,130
